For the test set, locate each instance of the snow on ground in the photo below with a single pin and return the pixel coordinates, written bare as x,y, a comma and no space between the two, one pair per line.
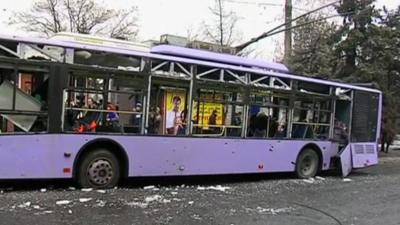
63,202
215,188
83,200
272,211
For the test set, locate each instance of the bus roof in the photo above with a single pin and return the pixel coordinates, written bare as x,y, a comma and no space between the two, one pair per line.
182,59
100,41
216,57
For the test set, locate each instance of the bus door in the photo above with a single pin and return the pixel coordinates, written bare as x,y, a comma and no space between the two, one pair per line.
345,160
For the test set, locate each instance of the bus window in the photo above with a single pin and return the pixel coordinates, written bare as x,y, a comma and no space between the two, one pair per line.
268,115
168,108
311,118
23,104
103,104
218,113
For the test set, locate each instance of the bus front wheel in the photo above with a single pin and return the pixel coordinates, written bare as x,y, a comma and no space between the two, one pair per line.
98,169
307,164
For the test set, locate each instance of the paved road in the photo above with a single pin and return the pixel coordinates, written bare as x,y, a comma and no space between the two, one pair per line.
370,196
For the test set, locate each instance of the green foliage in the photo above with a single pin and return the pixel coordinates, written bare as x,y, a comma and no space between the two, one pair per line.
365,48
312,51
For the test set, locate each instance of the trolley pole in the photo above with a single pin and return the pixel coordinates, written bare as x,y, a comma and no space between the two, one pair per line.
288,32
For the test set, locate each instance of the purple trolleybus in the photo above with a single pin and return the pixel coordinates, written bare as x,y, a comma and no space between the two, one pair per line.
99,110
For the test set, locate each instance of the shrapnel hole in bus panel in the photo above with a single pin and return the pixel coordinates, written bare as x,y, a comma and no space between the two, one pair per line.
23,101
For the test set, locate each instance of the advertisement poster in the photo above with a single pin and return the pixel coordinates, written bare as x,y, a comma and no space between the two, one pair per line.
204,111
175,101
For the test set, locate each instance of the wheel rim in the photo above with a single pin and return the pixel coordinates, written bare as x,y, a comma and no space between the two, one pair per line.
308,165
100,172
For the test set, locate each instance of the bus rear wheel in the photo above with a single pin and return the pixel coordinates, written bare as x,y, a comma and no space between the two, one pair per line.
98,169
307,164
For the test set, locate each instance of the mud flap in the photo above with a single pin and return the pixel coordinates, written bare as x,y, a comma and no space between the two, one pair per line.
345,160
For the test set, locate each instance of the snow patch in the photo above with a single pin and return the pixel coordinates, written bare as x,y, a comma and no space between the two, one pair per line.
24,205
100,203
43,190
166,201
214,188
347,180
309,180
140,204
148,187
320,178
271,211
87,189
63,202
44,212
83,200
153,198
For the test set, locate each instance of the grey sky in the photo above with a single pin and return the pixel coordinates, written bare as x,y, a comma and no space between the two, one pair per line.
158,17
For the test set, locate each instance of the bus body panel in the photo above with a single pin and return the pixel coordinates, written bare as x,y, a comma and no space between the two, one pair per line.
46,155
364,154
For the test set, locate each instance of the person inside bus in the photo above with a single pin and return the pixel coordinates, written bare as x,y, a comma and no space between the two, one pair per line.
340,132
261,126
182,128
154,120
136,119
91,118
112,118
237,121
281,131
212,120
272,126
173,117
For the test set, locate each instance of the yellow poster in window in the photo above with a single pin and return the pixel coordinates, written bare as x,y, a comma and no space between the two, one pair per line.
202,112
174,102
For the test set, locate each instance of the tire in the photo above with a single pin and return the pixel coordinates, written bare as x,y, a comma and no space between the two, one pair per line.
98,169
307,164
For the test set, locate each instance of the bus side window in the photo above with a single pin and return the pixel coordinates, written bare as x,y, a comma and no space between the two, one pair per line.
29,99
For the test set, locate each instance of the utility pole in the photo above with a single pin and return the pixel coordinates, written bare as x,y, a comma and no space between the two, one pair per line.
288,32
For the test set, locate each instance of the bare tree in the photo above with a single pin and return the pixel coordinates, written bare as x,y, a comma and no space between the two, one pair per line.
222,29
81,16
